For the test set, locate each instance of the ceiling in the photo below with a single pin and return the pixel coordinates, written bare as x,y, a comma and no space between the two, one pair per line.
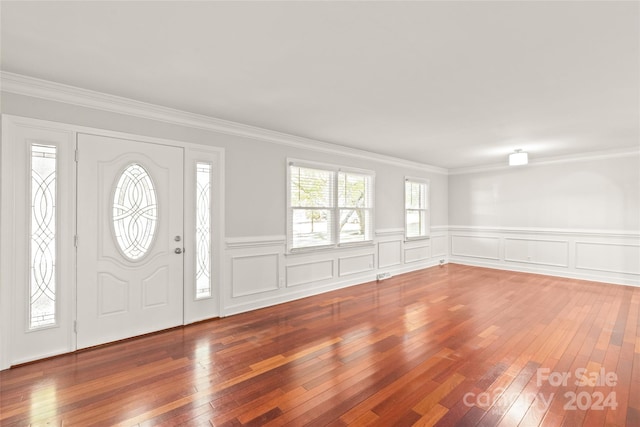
450,84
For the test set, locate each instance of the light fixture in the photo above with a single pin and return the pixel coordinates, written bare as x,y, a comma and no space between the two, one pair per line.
518,158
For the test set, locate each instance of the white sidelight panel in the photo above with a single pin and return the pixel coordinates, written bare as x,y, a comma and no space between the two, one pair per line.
42,284
203,230
37,261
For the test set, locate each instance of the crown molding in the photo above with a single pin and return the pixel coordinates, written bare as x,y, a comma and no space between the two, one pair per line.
52,91
583,157
58,92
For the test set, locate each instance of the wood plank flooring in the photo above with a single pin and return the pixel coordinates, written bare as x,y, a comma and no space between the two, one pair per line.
445,346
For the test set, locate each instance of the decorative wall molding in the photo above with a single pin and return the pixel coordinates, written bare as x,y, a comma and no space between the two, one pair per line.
254,241
271,298
475,246
297,292
260,272
389,253
275,277
44,89
416,254
384,232
390,232
57,92
553,253
539,269
439,245
309,272
355,264
598,255
545,231
254,274
608,257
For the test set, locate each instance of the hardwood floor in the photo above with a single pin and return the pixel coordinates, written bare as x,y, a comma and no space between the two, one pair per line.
452,345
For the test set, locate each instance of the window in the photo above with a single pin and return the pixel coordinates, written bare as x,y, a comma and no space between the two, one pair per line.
135,212
328,206
354,204
203,230
416,193
42,302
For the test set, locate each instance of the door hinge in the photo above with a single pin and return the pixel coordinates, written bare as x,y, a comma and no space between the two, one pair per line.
75,326
76,155
75,241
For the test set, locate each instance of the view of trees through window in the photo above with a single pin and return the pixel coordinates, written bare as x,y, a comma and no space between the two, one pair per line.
329,207
415,209
354,215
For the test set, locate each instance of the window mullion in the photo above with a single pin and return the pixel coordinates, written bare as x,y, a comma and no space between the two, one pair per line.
303,175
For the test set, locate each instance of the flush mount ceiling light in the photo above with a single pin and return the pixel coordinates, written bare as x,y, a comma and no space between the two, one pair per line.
518,158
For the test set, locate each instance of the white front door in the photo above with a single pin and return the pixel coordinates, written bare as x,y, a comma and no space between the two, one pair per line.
130,238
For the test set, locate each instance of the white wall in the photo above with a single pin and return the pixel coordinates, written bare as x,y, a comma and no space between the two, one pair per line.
247,159
573,218
599,194
579,203
258,271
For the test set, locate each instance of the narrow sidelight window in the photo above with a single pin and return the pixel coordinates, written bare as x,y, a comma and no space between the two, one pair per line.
203,230
42,286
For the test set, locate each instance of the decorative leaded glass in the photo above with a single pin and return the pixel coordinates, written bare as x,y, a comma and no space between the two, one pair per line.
203,230
42,301
135,212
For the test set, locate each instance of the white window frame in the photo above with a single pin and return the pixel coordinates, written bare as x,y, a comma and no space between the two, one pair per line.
427,209
57,246
210,243
335,169
197,309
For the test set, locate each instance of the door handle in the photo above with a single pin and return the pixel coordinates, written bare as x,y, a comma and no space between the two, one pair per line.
178,251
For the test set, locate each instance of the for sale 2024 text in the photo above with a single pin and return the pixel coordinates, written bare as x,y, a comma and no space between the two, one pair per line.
583,400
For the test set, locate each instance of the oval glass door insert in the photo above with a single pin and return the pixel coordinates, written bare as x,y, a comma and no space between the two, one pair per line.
135,212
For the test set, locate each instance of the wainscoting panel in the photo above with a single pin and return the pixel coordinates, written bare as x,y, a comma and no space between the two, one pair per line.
439,246
389,253
254,274
536,251
608,257
309,272
260,273
355,264
475,246
597,255
415,254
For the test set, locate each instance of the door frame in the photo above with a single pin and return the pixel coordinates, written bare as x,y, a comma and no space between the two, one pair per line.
145,294
193,310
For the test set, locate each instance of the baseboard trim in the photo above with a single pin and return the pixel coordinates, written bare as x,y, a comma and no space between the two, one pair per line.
615,280
360,279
